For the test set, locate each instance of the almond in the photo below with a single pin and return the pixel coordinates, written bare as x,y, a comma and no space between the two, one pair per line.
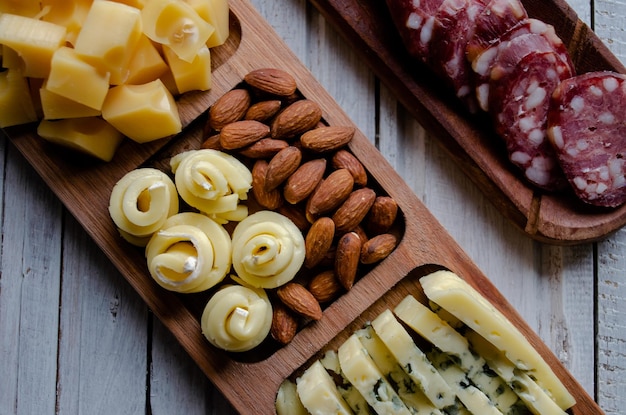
264,148
296,118
243,133
378,248
318,241
269,200
347,259
230,107
327,138
296,215
263,111
300,300
325,286
304,180
212,142
354,209
281,166
272,81
284,324
330,193
343,159
382,215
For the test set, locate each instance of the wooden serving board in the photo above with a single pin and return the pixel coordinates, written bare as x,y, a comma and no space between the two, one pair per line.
250,380
553,218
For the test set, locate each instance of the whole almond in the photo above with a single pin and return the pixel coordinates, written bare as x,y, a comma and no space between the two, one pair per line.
230,107
281,166
327,138
330,193
284,324
272,81
304,180
318,241
268,199
382,215
212,142
325,286
300,300
354,209
378,248
296,215
295,119
263,111
240,134
347,258
343,159
264,148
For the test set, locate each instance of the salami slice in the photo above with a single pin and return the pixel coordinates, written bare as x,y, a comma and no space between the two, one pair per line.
414,20
522,117
586,126
494,20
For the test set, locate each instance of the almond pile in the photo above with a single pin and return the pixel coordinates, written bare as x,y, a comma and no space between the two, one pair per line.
303,169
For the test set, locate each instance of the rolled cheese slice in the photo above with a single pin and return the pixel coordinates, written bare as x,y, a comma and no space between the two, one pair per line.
211,181
190,253
459,298
140,203
268,249
237,318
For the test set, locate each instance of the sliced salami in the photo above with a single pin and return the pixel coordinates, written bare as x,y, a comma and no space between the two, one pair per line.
586,127
493,21
522,117
414,20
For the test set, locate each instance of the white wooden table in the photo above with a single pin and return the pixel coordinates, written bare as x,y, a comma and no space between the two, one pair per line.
75,339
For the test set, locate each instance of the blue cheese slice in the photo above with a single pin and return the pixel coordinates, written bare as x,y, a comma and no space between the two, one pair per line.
318,393
288,401
433,328
348,392
408,391
464,302
535,398
412,359
362,372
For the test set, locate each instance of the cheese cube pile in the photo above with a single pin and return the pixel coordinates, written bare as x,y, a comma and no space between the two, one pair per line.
410,360
120,61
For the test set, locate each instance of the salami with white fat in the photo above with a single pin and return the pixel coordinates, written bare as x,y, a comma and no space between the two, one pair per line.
414,21
586,127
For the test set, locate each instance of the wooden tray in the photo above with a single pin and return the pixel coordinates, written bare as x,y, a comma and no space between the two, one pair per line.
553,218
84,188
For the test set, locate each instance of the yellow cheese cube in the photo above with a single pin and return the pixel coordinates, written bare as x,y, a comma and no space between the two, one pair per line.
168,80
70,14
55,106
175,24
35,41
146,65
16,105
134,3
75,79
216,13
190,76
142,112
10,59
109,36
90,135
26,8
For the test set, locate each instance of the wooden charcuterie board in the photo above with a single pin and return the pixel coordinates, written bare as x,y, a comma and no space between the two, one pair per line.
558,218
250,380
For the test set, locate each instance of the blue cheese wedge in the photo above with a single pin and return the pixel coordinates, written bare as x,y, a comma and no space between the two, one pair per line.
535,398
468,305
348,392
288,401
363,373
433,328
408,391
412,359
318,393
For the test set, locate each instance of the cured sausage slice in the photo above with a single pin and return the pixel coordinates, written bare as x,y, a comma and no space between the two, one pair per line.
493,21
586,126
414,21
522,117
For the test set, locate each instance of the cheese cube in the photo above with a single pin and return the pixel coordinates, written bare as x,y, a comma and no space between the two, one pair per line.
10,59
146,65
175,24
27,8
216,13
55,106
190,76
77,80
106,49
90,135
16,105
142,112
69,14
35,41
134,3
